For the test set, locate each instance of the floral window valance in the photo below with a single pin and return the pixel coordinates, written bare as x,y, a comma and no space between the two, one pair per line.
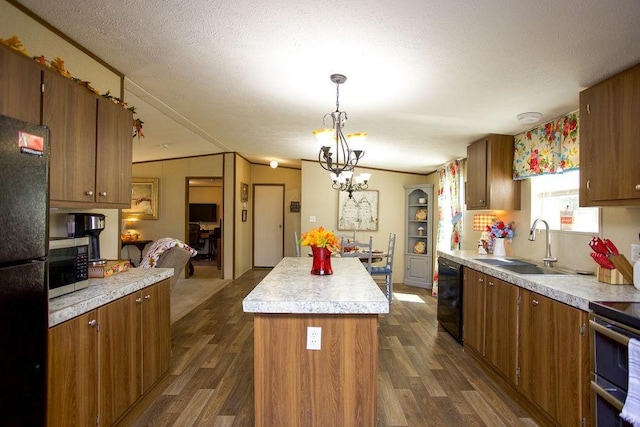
547,149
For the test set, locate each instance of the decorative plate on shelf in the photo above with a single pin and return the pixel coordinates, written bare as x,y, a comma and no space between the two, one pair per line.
419,248
421,214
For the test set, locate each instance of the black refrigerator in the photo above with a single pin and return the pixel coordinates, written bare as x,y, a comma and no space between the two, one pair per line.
24,237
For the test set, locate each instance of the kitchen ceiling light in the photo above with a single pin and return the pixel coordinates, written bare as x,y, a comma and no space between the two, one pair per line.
345,158
273,164
529,118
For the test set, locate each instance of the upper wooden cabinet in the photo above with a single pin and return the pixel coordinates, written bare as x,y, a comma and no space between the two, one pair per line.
90,136
609,138
114,151
69,110
490,183
20,82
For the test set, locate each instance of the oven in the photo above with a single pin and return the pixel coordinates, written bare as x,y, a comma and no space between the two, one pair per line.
611,326
68,265
450,297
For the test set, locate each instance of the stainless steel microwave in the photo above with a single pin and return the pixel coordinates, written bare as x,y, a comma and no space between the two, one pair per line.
68,265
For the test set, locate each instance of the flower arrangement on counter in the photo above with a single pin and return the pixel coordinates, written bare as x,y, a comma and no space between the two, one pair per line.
57,65
501,230
321,238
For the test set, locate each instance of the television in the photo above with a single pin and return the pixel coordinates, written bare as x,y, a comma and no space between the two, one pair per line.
203,212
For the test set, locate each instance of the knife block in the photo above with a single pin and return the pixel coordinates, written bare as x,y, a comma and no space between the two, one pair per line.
612,277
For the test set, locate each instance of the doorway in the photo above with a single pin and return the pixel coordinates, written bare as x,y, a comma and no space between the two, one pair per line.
268,225
203,215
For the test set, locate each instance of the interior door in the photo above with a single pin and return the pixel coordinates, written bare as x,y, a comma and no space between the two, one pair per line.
268,225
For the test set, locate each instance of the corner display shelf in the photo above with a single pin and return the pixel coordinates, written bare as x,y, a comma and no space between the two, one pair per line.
418,258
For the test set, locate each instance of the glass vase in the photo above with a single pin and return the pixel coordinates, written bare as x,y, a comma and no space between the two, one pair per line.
321,261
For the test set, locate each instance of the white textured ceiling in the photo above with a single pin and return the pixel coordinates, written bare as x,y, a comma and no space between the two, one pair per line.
425,77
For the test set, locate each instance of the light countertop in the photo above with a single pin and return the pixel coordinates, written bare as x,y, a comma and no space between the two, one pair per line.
103,291
573,289
291,288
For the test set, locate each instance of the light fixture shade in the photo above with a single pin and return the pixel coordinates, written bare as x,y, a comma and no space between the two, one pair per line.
365,176
326,136
273,164
357,138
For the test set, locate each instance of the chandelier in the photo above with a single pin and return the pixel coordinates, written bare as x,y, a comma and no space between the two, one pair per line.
344,159
345,182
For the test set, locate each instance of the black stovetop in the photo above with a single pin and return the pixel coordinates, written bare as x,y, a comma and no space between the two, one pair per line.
627,313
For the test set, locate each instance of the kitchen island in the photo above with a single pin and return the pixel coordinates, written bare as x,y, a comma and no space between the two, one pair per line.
335,385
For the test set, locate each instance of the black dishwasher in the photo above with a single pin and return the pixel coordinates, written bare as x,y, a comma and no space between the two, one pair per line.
450,297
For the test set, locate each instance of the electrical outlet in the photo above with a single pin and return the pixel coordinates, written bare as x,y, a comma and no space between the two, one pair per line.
314,337
635,253
312,219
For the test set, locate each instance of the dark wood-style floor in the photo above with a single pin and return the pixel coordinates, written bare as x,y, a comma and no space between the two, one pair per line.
424,376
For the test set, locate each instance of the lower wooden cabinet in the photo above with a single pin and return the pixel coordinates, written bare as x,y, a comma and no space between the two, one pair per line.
536,345
473,310
72,383
554,358
102,362
501,327
490,321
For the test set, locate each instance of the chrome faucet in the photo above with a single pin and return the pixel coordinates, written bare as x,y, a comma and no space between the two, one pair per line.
548,258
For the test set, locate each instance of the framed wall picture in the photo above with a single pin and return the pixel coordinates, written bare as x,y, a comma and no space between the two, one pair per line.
244,215
144,199
359,212
244,192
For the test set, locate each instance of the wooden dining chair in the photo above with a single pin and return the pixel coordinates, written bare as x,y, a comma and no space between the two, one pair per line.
386,271
358,249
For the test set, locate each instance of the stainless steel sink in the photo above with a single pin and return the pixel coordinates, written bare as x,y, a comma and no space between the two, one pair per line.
532,269
520,266
500,262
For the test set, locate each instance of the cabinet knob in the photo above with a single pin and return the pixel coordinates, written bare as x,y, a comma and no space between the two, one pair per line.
93,323
637,187
481,280
490,283
534,302
139,300
89,193
147,297
588,185
103,193
481,201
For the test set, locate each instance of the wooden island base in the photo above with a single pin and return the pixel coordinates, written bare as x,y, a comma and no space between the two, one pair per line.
335,385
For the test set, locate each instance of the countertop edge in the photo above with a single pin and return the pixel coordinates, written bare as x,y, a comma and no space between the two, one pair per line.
575,290
103,291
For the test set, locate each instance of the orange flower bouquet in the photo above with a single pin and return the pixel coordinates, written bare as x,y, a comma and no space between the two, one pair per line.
321,238
322,243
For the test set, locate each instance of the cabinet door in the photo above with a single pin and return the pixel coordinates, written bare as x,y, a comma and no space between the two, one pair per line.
553,357
113,154
72,384
477,175
20,82
501,323
473,303
417,270
609,134
156,333
69,110
120,356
